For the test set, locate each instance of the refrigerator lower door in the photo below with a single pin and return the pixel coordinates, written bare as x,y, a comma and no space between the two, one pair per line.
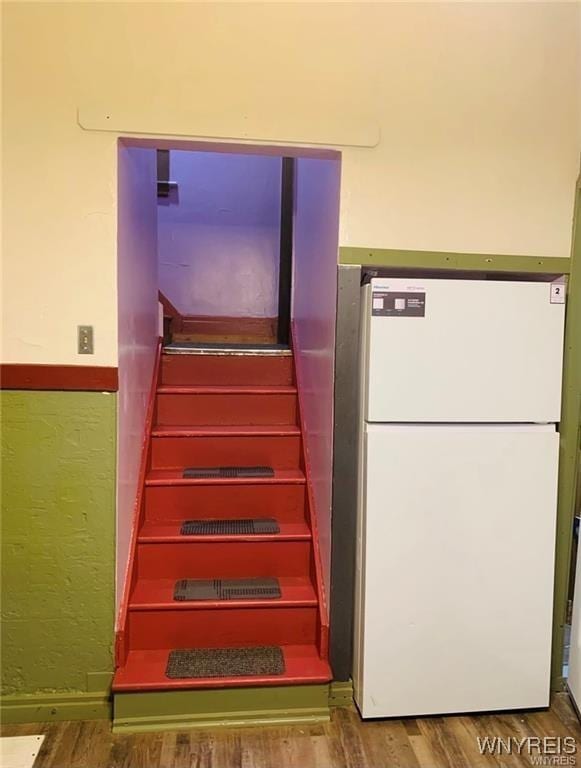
455,568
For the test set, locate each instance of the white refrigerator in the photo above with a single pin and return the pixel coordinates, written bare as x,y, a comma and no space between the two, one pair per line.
460,395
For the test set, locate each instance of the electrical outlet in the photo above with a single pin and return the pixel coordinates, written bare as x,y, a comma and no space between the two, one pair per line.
85,339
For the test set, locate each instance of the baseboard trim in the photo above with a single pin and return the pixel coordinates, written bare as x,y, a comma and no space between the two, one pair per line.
151,711
221,720
48,707
167,710
341,693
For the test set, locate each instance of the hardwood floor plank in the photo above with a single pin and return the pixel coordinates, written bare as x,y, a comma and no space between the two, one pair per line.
456,751
187,752
388,743
345,742
349,726
411,726
551,724
227,750
92,743
23,729
144,753
467,735
255,749
424,755
500,726
563,708
334,745
52,735
168,746
430,729
63,752
305,750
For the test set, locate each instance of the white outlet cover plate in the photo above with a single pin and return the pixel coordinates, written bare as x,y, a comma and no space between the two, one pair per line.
19,751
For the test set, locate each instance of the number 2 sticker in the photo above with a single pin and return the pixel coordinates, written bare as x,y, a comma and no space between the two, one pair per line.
557,293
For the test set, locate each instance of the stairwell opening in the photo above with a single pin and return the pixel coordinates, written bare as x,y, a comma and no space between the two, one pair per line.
240,245
224,247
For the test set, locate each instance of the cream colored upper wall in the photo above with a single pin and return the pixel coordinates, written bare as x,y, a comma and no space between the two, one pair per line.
478,106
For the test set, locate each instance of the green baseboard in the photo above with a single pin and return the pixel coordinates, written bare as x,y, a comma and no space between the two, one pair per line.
167,710
47,707
341,693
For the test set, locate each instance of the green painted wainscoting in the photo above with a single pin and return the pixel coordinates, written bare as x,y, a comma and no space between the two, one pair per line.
58,554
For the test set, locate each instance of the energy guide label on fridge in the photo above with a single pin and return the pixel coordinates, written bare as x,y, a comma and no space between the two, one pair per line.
398,304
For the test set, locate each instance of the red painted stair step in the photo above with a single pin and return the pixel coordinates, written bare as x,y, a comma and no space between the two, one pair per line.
175,477
222,627
226,405
244,559
171,531
228,370
159,594
144,670
175,447
227,500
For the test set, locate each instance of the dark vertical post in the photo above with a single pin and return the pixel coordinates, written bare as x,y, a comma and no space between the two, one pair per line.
286,249
345,471
163,172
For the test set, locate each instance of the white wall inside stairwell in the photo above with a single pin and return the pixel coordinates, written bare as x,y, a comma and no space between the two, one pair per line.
316,231
219,234
138,330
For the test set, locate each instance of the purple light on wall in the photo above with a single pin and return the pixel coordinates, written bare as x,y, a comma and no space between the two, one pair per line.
316,231
218,243
138,323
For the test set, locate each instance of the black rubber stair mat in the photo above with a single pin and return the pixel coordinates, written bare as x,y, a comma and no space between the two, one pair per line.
242,527
213,472
225,662
226,589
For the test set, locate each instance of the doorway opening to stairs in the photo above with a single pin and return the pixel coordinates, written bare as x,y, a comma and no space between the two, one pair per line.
225,229
224,430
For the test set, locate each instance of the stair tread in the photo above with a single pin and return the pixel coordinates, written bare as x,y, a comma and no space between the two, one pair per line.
175,477
156,594
169,531
245,389
226,431
259,351
145,670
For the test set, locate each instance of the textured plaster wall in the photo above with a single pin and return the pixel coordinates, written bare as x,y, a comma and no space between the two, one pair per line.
58,536
477,106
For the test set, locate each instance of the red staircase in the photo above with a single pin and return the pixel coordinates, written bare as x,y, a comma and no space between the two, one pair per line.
222,410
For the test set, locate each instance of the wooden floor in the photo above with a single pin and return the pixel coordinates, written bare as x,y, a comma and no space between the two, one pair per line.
346,742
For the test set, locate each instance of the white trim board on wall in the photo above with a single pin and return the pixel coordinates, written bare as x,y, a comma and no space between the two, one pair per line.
336,127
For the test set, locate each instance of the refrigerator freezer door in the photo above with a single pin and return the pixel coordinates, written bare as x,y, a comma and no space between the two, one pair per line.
455,569
462,351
